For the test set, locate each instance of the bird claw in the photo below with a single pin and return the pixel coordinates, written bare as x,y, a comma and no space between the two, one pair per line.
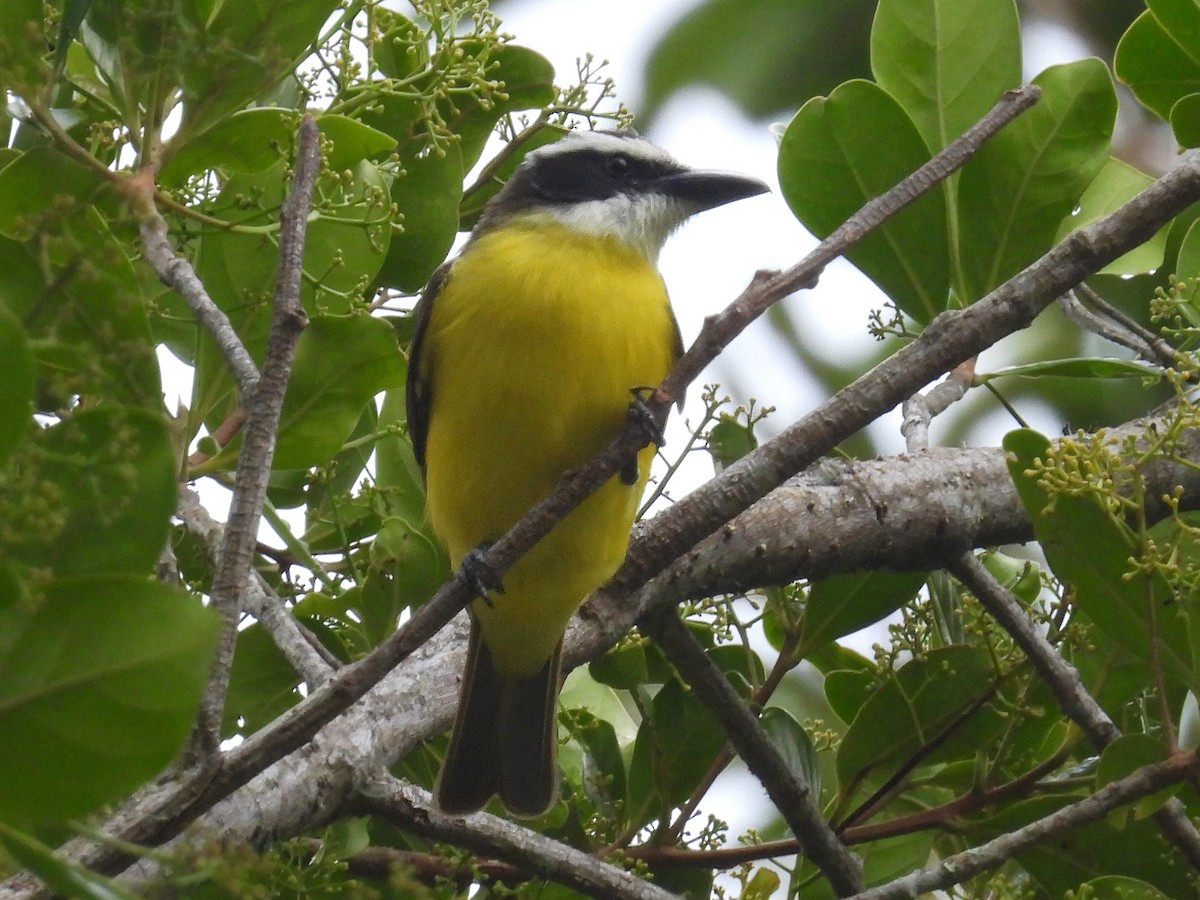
650,425
479,574
646,418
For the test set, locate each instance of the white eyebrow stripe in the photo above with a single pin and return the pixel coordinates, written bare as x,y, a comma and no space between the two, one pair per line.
606,143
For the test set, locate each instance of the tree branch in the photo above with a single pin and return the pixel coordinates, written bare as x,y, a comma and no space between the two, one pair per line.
411,809
789,791
962,866
176,272
307,655
1068,689
912,512
263,405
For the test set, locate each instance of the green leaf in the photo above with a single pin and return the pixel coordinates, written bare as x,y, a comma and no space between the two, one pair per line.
396,469
603,769
1089,550
935,696
64,878
1185,120
1015,193
842,604
1021,576
623,667
846,690
1187,263
1158,70
794,745
675,745
16,385
1122,758
1115,185
1120,887
22,45
1086,367
238,54
1181,20
729,440
762,885
831,162
99,681
351,141
95,493
426,193
325,397
402,51
250,140
412,559
764,55
43,188
262,683
74,289
946,64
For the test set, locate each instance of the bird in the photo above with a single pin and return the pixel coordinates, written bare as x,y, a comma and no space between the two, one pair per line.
526,347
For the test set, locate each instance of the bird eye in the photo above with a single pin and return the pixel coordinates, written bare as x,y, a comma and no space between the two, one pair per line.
617,166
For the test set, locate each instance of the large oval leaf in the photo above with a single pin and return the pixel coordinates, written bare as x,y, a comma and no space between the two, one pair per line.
831,162
99,681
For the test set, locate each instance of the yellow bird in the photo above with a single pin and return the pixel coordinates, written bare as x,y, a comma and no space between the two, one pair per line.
526,349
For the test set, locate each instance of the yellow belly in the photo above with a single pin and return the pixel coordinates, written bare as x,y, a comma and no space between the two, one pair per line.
532,348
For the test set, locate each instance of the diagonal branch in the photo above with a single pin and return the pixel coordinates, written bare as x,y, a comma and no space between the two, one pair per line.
176,272
1064,682
302,649
995,853
789,791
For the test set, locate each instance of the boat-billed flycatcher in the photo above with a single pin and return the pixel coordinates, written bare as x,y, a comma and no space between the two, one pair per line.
525,352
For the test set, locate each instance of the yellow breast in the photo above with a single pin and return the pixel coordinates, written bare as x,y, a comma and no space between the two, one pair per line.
532,347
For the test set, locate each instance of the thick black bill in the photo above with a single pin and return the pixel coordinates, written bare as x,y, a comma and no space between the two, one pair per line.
706,190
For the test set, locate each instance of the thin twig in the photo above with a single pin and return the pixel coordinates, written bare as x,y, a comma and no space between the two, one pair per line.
263,407
1065,684
789,791
302,649
921,409
962,866
176,272
1091,311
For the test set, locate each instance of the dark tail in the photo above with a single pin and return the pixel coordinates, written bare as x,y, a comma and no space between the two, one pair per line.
504,738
